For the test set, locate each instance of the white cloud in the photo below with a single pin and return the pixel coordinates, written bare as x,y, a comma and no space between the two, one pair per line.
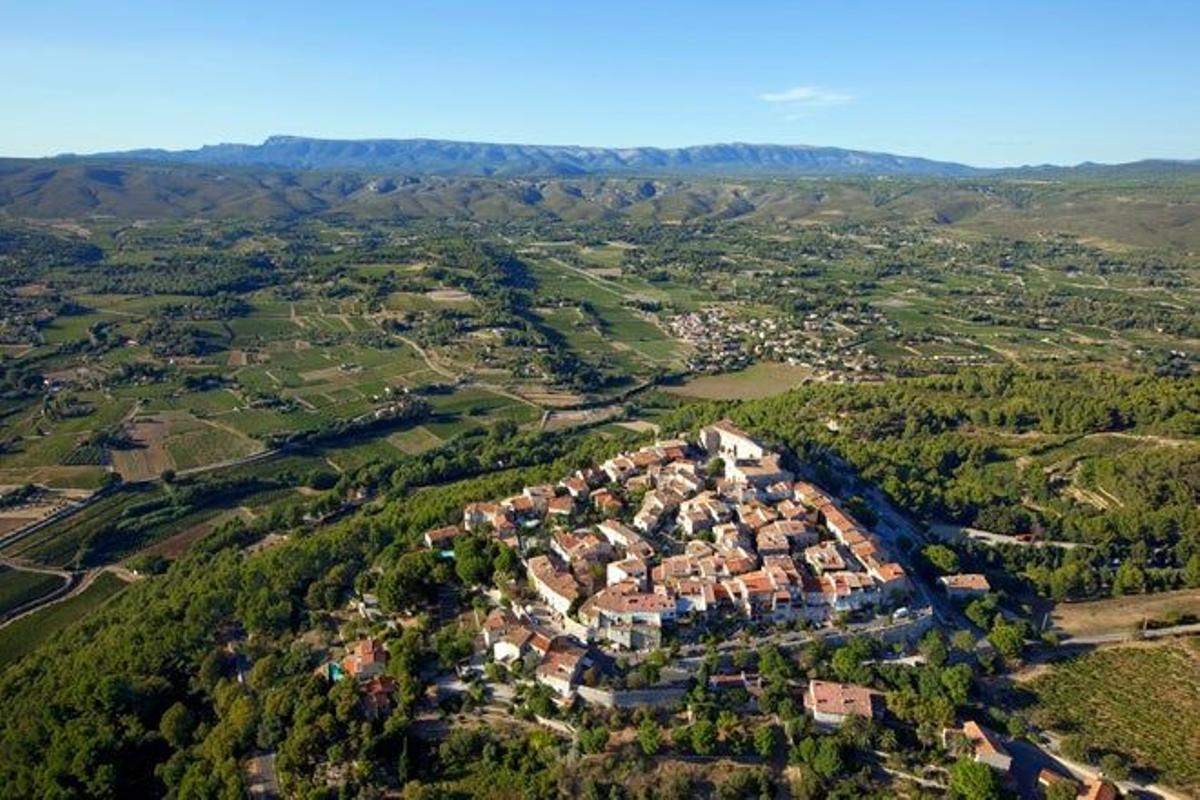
806,97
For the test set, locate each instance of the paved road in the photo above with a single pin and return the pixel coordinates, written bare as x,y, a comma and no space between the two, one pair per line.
953,532
893,526
1129,636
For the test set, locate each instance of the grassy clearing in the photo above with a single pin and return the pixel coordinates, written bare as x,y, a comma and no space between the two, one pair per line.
757,381
1140,701
18,586
25,634
58,477
1122,613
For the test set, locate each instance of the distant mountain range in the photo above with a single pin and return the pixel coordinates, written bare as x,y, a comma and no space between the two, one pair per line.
483,159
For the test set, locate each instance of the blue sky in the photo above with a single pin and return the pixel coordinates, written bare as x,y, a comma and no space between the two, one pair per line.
981,82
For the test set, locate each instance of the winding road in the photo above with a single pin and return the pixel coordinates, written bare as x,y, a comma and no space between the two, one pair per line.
74,583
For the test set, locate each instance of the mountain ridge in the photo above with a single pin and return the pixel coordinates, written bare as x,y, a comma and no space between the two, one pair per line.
454,158
488,159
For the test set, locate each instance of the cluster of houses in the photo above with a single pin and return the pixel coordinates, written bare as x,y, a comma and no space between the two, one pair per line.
724,340
831,705
674,533
986,747
364,662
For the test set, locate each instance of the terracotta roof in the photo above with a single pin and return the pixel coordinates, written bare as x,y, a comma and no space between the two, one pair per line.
790,528
727,426
626,598
380,688
811,494
499,619
562,505
972,581
1100,790
1048,777
825,557
518,636
839,519
890,571
770,541
631,566
440,536
842,699
575,485
520,503
363,654
790,509
560,664
983,740
558,581
844,583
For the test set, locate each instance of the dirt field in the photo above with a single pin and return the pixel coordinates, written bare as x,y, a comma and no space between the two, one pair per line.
8,524
560,420
72,481
177,440
449,296
415,440
757,381
1121,613
547,397
639,426
150,458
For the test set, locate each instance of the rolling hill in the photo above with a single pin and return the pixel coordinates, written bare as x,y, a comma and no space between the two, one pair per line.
1126,212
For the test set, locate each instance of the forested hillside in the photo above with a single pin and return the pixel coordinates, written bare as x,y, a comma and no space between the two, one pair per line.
1151,209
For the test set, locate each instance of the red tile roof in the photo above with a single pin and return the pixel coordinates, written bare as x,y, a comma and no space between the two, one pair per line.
842,699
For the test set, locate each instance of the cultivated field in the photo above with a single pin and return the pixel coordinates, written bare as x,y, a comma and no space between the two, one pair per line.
23,635
18,586
1141,701
757,381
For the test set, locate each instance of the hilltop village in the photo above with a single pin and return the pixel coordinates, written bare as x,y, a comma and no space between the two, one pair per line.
655,550
676,536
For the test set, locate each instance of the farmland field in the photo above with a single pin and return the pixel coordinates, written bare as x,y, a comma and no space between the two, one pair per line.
1123,613
760,380
18,586
61,544
1139,701
25,634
